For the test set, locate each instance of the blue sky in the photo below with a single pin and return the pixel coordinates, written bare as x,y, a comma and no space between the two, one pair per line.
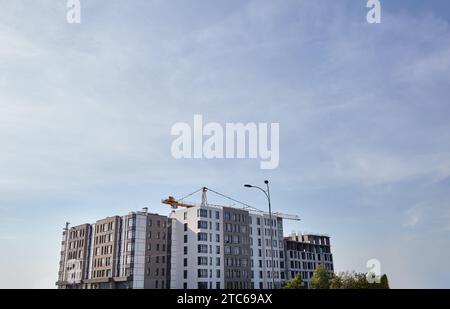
86,112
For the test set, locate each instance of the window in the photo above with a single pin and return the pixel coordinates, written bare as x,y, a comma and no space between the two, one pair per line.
202,285
236,250
218,273
217,226
185,227
185,238
202,273
217,215
185,274
185,285
203,213
156,283
185,262
202,236
185,250
202,225
217,249
228,239
131,222
227,216
185,215
202,248
218,285
202,260
217,261
217,237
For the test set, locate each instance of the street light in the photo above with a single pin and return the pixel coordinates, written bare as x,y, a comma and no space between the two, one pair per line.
267,193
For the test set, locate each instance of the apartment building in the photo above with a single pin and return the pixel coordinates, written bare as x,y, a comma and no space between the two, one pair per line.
226,247
197,260
305,252
104,252
116,252
200,247
74,255
156,253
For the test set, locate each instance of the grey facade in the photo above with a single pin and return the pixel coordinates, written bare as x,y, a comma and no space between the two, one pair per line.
304,253
236,242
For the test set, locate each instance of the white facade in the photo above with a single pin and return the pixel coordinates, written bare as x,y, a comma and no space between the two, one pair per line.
185,269
197,248
261,251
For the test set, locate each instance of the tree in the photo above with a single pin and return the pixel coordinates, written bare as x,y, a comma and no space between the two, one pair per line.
320,278
336,282
384,284
295,283
353,280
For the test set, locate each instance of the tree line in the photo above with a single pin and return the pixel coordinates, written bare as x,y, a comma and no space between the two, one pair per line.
322,279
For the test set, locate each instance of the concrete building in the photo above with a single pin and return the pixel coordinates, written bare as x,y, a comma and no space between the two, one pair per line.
305,252
116,252
223,247
197,248
74,256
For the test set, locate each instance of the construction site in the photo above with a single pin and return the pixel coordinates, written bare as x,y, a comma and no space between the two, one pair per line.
199,245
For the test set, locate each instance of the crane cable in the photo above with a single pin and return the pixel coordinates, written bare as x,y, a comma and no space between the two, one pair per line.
234,200
222,195
185,197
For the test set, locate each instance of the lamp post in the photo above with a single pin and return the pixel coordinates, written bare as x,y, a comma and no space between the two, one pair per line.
267,193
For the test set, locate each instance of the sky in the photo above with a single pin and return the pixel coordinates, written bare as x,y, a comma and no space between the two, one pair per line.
86,112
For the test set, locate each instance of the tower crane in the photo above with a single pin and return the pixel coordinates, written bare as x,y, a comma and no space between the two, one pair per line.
175,203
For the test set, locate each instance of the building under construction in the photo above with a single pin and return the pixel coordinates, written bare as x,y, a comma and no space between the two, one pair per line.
198,246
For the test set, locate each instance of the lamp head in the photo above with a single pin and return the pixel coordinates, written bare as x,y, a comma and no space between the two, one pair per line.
248,186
